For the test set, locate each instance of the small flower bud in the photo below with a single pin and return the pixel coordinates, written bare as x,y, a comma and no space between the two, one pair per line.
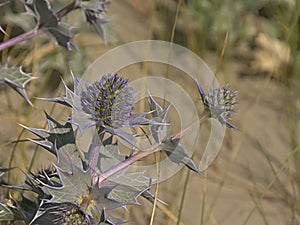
219,103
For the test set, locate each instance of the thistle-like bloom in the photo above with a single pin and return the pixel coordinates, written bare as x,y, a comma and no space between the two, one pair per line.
68,213
219,103
108,104
109,101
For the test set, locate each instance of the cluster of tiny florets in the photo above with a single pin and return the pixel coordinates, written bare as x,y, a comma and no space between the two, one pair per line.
220,103
69,214
109,100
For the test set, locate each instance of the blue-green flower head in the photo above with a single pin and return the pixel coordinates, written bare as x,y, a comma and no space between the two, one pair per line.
109,101
220,103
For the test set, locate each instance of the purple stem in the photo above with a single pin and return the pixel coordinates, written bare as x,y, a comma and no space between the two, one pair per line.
127,162
19,38
30,34
122,165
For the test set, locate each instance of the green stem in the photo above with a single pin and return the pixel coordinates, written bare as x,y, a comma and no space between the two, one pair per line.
171,42
12,156
202,207
183,197
202,119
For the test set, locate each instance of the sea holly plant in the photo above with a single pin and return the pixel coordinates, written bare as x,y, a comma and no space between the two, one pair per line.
86,186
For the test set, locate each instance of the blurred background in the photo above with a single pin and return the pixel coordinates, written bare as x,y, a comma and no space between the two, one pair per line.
254,46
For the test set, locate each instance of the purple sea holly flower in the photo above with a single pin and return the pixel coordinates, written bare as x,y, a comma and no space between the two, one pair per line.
108,101
219,103
107,104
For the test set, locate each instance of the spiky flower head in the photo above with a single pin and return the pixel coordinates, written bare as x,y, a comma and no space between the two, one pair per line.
220,103
68,213
109,101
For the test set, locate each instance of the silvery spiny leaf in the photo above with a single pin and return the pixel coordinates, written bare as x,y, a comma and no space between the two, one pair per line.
110,220
102,203
67,99
16,79
58,138
130,186
119,132
28,185
77,190
62,35
56,134
43,12
177,153
48,21
157,110
35,181
100,194
158,131
127,195
96,153
135,180
75,185
110,156
140,119
45,177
